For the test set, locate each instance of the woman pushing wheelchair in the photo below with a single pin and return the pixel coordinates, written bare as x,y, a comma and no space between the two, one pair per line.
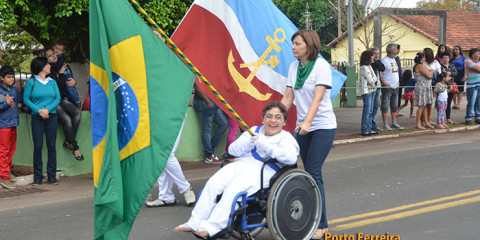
209,216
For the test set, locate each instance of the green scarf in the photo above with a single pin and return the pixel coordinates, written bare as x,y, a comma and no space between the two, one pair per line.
303,72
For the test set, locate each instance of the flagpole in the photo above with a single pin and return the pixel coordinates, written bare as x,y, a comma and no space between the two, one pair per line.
190,64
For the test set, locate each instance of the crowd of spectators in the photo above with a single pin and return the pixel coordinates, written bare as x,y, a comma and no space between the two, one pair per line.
435,81
49,95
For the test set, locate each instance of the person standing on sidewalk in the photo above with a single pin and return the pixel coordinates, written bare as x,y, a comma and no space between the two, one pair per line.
400,73
451,70
368,87
377,67
209,113
42,96
309,84
423,95
8,126
459,60
473,87
390,81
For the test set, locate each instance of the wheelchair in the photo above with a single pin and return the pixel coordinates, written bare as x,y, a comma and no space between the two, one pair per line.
290,207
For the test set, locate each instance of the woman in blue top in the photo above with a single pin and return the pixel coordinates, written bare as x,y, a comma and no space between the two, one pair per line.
308,86
42,96
459,60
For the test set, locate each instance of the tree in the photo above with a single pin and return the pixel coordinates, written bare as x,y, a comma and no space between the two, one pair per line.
450,4
50,21
18,46
66,21
321,21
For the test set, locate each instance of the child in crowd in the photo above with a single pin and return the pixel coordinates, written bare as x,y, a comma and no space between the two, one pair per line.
71,91
409,82
442,89
8,126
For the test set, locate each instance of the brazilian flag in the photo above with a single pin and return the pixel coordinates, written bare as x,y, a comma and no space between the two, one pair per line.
139,95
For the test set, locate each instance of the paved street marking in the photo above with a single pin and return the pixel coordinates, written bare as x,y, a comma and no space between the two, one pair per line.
406,213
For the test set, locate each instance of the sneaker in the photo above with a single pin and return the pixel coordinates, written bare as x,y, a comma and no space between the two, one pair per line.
468,122
477,121
13,178
7,184
189,196
160,203
387,128
396,126
36,183
212,159
53,182
377,129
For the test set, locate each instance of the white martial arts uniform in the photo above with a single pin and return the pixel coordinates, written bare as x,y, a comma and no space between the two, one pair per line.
172,172
241,175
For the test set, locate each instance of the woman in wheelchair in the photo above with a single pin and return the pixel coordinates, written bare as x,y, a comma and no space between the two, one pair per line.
209,217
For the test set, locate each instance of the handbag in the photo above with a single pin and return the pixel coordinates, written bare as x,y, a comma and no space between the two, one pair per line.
454,88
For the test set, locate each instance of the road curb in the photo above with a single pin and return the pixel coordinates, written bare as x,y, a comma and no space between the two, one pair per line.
28,179
419,132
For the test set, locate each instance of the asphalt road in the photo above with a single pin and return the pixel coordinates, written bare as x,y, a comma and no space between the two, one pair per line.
417,188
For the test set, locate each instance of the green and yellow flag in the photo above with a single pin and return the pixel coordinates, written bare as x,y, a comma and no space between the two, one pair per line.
139,95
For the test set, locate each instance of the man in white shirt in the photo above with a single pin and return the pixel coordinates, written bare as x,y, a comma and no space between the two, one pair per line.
390,82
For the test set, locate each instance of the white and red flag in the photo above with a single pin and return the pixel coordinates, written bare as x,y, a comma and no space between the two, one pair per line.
244,50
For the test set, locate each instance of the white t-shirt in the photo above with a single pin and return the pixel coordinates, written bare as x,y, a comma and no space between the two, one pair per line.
435,66
321,75
443,96
390,75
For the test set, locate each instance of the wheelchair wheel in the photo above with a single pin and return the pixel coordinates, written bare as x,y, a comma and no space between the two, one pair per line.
237,224
294,206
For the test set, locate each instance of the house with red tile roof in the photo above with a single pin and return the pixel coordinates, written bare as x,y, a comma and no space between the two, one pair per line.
412,32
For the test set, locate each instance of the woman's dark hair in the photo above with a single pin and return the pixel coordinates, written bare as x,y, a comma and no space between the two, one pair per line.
429,58
418,58
443,75
6,70
440,46
472,51
37,65
312,40
459,50
446,53
278,105
407,74
366,58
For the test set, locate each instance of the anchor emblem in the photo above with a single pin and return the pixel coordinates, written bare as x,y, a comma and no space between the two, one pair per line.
244,84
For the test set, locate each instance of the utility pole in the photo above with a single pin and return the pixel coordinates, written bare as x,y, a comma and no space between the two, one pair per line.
350,33
351,70
308,21
339,22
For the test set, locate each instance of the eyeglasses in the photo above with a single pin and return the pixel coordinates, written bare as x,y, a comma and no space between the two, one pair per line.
276,117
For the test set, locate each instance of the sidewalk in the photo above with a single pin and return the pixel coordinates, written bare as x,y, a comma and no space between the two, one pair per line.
80,187
349,124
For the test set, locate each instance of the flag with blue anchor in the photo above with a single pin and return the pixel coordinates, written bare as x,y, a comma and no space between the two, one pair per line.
244,49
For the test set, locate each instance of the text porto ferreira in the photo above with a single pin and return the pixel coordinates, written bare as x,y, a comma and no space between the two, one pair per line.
361,236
